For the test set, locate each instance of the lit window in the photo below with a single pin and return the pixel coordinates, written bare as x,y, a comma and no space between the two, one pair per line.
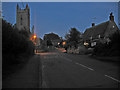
86,43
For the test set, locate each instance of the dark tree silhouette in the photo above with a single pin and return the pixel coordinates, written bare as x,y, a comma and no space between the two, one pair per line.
49,43
51,36
73,37
14,45
109,49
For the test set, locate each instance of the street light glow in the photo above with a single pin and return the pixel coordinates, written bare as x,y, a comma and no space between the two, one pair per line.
34,36
64,43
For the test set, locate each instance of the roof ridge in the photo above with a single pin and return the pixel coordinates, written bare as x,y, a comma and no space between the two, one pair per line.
97,25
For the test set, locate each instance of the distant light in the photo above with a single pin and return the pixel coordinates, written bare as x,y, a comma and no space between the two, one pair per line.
113,26
64,43
86,43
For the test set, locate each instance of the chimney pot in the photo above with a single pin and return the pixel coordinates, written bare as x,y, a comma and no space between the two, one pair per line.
93,24
111,17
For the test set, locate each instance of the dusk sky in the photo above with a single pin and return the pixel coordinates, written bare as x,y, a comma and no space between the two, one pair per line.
59,17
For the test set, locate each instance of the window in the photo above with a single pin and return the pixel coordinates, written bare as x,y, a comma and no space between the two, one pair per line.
113,26
99,36
21,19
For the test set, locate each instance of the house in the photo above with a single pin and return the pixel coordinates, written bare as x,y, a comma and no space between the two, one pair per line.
100,32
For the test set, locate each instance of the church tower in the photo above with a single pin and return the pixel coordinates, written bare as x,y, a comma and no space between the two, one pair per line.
23,18
33,30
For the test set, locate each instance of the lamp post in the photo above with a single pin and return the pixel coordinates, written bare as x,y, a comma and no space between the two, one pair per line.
33,40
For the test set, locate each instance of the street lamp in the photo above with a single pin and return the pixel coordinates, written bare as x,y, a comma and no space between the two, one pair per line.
64,43
34,41
34,36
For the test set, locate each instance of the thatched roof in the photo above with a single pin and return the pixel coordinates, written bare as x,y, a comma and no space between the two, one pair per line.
104,30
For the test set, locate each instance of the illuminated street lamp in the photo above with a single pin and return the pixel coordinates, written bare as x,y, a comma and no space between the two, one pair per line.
34,36
64,43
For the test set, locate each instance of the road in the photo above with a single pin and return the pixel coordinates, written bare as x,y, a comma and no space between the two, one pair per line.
56,69
62,70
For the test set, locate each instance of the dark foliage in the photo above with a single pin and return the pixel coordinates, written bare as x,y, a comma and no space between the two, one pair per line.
14,44
49,43
109,49
73,37
25,33
51,36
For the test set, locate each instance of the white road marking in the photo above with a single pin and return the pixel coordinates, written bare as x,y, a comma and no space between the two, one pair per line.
45,85
92,69
85,67
112,78
79,64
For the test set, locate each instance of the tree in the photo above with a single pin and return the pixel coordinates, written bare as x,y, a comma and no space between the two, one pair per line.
51,36
49,43
73,37
14,43
24,32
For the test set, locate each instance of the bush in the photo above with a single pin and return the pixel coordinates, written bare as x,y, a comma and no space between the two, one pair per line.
110,49
14,44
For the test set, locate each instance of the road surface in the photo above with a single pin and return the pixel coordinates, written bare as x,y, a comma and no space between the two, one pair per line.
56,69
62,70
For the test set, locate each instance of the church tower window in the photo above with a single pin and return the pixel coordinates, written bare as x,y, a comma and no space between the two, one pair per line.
21,19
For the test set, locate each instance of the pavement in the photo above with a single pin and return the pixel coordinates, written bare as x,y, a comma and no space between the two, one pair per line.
28,77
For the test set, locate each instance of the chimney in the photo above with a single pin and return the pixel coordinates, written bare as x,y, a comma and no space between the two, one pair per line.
93,24
111,17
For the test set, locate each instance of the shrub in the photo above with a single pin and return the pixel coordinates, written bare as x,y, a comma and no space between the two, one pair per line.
14,44
110,49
